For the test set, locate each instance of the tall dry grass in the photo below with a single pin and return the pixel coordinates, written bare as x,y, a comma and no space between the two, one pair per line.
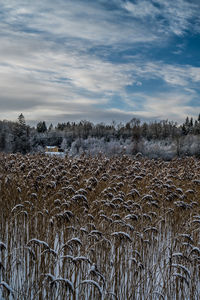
99,228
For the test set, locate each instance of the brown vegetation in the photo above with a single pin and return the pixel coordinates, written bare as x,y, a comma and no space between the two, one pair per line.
99,228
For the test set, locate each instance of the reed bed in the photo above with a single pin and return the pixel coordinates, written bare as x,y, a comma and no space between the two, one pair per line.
99,228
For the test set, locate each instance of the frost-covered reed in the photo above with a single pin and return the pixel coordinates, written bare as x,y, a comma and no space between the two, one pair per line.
99,228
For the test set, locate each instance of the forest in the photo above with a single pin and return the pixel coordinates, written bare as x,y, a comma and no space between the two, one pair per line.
158,139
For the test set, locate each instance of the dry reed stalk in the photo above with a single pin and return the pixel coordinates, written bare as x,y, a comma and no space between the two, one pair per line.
137,220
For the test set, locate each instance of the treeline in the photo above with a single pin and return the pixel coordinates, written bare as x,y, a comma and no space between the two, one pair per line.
85,136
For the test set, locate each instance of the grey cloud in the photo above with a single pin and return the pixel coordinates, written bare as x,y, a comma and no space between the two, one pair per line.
12,104
47,67
93,115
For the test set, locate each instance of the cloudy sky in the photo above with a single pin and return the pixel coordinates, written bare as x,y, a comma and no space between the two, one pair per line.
99,60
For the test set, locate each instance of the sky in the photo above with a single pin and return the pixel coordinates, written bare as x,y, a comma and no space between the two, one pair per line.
99,60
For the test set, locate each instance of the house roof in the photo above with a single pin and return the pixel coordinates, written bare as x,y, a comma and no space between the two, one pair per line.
51,147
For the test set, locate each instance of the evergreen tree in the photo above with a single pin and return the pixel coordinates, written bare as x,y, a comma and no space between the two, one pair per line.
21,135
21,121
184,130
41,127
186,126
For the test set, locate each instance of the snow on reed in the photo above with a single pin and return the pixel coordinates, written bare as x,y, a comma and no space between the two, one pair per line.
99,227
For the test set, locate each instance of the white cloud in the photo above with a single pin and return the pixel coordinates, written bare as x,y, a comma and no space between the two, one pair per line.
77,20
50,62
169,16
178,14
141,9
170,105
174,75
